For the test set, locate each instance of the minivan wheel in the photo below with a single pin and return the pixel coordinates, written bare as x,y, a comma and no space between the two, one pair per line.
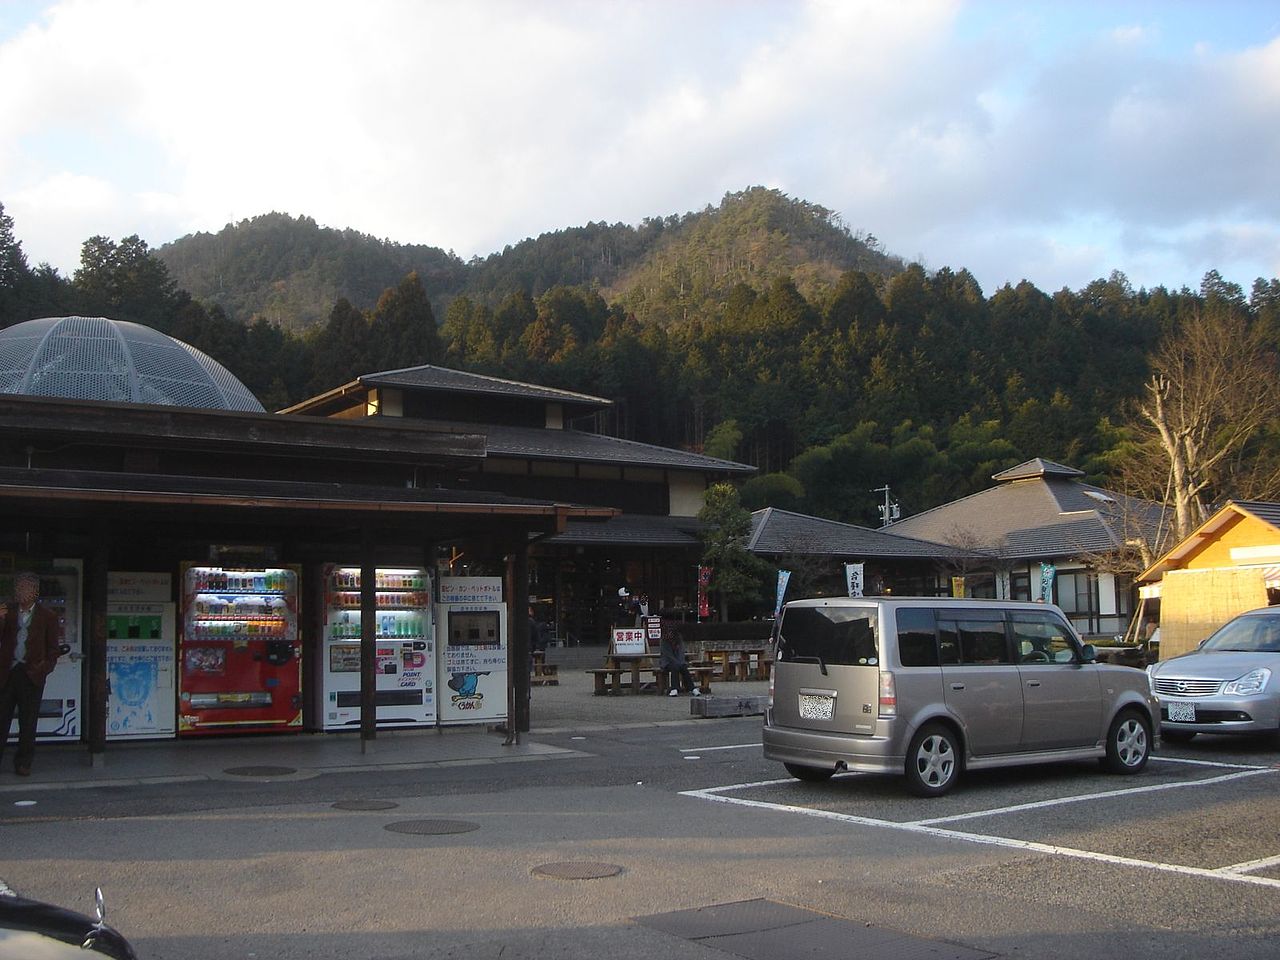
1128,743
933,761
809,774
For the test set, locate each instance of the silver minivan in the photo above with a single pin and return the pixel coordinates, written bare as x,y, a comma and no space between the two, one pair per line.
929,687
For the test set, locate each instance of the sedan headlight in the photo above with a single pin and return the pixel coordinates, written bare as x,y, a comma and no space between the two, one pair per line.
1252,682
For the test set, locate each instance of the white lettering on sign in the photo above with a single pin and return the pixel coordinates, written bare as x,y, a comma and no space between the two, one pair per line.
125,585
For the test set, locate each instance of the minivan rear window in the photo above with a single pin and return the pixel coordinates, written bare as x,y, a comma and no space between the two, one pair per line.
829,635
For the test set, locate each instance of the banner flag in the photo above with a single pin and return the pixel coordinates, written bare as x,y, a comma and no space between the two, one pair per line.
853,577
1047,572
704,581
783,577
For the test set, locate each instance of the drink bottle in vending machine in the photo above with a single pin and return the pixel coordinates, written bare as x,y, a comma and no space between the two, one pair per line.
404,634
240,661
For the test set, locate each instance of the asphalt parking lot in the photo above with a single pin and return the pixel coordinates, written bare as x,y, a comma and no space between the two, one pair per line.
1203,810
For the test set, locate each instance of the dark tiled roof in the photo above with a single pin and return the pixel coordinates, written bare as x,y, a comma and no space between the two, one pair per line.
576,445
458,381
775,532
120,486
1048,516
1265,510
1037,468
631,530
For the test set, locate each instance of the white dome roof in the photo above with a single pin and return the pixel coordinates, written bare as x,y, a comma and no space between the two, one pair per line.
95,358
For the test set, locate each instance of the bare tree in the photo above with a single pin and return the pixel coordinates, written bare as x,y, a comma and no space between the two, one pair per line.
1212,393
972,553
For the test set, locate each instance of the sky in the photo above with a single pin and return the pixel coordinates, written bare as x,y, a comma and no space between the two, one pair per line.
1051,142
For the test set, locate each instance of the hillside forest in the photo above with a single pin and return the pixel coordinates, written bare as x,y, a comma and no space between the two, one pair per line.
760,330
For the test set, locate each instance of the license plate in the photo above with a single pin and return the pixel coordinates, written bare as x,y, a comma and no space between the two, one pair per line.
816,708
1182,712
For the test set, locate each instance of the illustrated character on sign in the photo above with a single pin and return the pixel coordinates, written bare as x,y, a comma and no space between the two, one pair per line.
464,685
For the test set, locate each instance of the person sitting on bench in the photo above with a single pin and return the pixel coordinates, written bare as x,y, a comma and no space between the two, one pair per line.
672,659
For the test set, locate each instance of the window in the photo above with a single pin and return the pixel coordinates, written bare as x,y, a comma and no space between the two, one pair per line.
1042,638
830,635
1020,586
977,639
1078,597
917,643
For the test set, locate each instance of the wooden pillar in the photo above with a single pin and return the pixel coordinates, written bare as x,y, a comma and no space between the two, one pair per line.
518,653
96,575
368,644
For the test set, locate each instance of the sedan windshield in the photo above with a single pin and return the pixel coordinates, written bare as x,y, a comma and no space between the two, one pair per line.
1247,635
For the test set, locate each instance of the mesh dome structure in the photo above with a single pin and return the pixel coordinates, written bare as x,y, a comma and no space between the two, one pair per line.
95,358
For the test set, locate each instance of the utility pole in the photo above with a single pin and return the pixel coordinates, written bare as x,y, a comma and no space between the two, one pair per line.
889,511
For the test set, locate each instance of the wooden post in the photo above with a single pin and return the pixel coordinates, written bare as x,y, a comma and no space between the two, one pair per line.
99,560
519,656
368,645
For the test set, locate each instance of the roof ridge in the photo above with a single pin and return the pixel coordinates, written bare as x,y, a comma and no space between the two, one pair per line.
488,378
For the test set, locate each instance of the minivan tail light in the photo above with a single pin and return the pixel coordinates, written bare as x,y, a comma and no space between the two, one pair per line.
771,686
888,695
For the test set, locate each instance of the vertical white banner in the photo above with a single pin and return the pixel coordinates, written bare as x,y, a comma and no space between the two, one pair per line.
783,577
853,576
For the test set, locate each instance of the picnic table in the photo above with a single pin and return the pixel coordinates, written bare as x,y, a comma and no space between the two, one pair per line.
543,674
736,664
642,673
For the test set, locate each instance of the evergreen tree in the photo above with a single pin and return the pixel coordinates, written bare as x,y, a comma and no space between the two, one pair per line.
403,328
737,576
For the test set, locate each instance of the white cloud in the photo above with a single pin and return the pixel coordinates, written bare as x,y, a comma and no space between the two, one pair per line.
1012,143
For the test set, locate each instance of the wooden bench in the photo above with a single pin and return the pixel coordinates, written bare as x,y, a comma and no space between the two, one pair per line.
609,679
543,674
701,673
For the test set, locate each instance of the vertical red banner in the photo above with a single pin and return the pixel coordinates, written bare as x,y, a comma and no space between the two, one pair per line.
704,581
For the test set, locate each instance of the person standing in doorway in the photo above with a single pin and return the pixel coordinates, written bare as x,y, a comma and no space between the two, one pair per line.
29,647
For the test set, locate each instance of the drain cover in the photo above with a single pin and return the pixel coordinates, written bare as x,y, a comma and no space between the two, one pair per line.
365,805
260,771
577,870
431,827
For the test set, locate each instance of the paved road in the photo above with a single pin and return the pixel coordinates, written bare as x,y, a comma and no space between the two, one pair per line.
1060,861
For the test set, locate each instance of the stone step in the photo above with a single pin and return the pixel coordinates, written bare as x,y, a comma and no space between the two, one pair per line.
713,706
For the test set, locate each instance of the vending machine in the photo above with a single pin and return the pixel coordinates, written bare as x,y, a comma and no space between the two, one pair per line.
141,647
405,648
240,667
60,590
471,635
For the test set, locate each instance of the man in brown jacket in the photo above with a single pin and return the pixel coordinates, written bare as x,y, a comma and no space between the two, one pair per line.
29,647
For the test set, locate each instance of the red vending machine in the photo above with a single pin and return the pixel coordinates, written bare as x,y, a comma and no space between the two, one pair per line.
241,663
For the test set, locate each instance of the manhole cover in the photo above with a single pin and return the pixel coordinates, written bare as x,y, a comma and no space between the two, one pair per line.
577,870
432,827
365,805
264,771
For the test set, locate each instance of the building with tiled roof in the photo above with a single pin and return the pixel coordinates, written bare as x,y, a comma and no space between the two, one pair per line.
532,449
1045,529
890,563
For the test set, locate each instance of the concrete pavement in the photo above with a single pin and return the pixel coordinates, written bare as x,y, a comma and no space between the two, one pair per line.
566,708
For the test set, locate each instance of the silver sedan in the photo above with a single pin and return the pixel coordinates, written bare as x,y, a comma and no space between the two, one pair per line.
1230,684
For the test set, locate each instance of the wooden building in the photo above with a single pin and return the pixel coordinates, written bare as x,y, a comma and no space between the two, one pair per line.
535,447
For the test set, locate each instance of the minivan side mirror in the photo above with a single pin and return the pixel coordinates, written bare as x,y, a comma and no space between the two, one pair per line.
1089,653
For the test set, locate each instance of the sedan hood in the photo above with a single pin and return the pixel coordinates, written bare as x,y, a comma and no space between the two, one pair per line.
1227,665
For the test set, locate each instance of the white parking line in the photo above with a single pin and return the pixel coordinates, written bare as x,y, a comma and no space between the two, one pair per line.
1236,873
1104,795
732,746
1250,865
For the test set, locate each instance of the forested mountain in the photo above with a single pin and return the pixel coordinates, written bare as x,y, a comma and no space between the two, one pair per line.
761,331
291,271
